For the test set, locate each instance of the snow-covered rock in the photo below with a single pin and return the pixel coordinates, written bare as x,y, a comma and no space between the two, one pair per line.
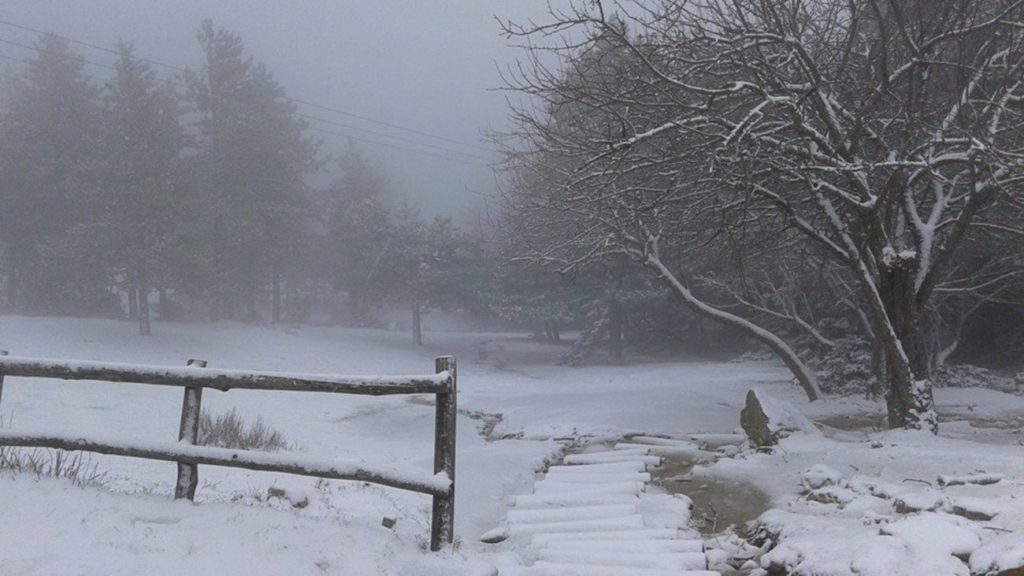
819,476
1002,556
766,419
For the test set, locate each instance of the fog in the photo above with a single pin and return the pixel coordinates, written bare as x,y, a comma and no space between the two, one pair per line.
598,234
431,67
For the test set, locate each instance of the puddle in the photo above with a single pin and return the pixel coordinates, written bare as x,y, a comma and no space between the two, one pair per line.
1003,430
862,422
718,503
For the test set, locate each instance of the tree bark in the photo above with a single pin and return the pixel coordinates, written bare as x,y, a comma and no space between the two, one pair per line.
275,311
133,299
161,302
143,303
12,280
895,314
615,328
417,327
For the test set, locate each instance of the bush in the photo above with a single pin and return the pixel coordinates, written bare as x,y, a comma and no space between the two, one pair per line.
846,368
229,431
74,466
969,376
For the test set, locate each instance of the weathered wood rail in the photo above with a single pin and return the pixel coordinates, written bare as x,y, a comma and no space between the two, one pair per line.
195,377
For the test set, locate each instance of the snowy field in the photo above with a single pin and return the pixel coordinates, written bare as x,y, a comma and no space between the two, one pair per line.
132,526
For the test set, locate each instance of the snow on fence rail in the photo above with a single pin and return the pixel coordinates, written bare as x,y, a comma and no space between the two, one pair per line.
195,377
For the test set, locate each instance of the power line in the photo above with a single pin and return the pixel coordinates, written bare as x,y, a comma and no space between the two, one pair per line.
390,125
385,135
397,147
466,156
295,100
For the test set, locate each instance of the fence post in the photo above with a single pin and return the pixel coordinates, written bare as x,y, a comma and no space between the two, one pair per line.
2,353
188,432
442,519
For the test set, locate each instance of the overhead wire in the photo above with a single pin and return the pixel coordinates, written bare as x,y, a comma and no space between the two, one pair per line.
291,99
481,161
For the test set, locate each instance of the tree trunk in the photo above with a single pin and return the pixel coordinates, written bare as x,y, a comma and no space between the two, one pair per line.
133,298
275,311
161,302
142,288
12,281
909,401
615,328
540,330
878,369
799,370
417,327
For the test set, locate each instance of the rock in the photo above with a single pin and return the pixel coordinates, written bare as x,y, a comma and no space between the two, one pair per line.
976,479
1000,556
819,476
923,501
977,508
766,420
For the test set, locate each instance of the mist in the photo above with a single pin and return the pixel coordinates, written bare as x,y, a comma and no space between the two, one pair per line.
429,68
512,288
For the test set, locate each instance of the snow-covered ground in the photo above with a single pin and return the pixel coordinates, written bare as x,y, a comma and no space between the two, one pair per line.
132,526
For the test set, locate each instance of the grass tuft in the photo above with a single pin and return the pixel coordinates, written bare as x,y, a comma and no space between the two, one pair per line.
228,430
45,463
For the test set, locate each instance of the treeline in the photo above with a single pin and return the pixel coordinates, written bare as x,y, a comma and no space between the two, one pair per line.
194,189
191,192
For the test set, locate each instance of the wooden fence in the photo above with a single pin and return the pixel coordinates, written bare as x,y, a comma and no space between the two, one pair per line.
195,377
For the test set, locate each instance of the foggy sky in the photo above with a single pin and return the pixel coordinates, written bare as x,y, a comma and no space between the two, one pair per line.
431,65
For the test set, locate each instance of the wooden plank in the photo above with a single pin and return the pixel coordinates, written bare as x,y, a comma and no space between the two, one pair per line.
442,519
627,487
593,512
679,561
297,464
569,500
609,457
644,534
641,546
597,478
625,523
610,468
224,379
560,569
188,432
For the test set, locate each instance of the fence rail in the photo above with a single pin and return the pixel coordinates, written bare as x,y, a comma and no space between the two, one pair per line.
195,377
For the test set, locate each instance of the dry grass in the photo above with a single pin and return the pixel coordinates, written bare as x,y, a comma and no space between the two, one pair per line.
45,463
228,430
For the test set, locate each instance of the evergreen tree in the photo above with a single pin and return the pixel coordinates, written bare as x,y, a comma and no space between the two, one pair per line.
143,142
358,241
255,156
48,161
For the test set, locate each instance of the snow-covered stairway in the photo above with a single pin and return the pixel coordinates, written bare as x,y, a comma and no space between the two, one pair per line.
593,516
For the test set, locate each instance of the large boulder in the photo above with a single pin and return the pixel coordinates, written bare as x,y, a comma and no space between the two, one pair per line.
766,419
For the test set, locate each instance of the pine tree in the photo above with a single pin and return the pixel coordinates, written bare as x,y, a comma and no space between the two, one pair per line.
49,161
143,142
254,158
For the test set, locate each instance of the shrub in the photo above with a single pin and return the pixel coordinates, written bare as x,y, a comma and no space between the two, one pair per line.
846,368
229,431
969,376
74,466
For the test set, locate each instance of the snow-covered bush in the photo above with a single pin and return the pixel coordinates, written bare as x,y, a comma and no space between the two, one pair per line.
846,368
970,376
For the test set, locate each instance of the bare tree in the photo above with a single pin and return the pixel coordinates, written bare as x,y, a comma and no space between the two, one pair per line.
881,132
